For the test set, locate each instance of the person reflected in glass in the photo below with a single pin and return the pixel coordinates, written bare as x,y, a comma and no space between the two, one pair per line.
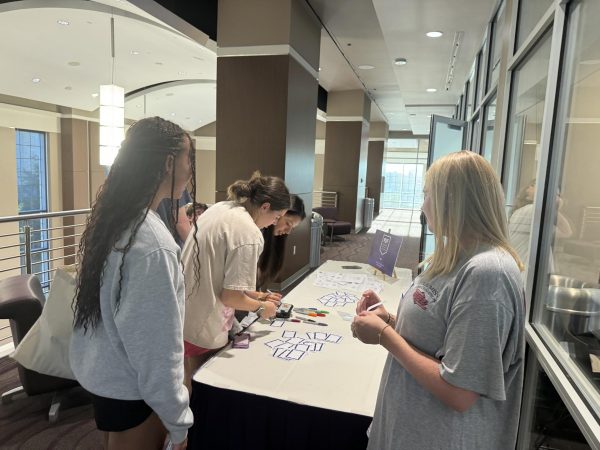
520,222
454,372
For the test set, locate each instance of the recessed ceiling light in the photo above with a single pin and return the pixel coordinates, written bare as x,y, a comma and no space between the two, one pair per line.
400,61
434,34
320,68
36,80
95,94
62,22
366,67
74,63
431,90
172,114
134,52
181,73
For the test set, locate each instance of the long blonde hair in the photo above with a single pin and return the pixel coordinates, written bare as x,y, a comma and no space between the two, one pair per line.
467,203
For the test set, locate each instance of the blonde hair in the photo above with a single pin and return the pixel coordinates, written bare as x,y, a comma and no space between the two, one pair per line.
467,202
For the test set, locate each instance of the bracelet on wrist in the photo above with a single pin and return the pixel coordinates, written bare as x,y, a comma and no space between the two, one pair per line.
381,333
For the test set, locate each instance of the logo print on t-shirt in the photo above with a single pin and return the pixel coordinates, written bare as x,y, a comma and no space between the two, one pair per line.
420,299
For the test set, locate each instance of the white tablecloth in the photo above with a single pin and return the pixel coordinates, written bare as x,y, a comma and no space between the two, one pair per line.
342,377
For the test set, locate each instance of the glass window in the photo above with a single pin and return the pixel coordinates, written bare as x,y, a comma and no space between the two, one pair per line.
474,132
483,61
530,13
32,192
497,29
567,309
545,421
471,90
523,144
403,185
487,137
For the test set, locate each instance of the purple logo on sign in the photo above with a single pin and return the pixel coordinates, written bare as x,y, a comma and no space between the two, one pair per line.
384,252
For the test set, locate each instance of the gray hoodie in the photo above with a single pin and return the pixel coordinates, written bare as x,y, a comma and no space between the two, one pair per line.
136,352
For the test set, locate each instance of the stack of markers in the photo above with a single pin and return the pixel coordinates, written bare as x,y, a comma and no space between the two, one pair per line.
309,313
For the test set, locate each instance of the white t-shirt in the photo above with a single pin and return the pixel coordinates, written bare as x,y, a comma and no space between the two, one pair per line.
229,244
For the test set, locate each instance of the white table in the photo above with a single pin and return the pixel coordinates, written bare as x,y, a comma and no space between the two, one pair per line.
342,377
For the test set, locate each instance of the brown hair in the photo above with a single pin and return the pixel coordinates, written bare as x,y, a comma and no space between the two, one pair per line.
260,189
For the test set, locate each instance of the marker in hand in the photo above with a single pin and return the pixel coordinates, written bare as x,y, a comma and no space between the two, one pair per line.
376,305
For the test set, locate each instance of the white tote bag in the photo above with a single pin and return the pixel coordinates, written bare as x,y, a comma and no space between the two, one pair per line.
45,348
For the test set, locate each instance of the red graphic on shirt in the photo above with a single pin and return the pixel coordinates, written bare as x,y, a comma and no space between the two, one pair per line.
420,299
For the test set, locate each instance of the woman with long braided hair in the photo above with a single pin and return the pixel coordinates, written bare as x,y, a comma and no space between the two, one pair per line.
127,344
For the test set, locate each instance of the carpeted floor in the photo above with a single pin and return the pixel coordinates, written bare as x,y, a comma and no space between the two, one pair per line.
24,424
356,248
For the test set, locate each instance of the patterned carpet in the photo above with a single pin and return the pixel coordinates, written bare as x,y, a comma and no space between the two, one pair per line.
356,248
24,424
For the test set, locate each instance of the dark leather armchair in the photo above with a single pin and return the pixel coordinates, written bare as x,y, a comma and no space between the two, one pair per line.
334,227
21,302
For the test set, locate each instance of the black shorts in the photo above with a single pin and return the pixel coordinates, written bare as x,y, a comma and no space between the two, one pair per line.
119,415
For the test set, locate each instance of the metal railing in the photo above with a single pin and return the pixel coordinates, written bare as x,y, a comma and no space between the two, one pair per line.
325,199
38,244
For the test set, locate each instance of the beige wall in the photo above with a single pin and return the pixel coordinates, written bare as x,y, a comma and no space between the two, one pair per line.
319,165
8,205
206,161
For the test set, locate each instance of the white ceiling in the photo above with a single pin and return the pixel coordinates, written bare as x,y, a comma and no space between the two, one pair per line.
73,60
381,30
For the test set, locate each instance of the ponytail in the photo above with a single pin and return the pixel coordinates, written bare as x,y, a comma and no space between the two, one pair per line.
260,189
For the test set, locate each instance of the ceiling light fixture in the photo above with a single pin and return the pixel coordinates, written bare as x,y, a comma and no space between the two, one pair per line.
112,112
431,90
366,67
434,34
400,61
36,80
134,52
63,22
95,94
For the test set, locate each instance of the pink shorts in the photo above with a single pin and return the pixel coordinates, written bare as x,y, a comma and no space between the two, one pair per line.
193,350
